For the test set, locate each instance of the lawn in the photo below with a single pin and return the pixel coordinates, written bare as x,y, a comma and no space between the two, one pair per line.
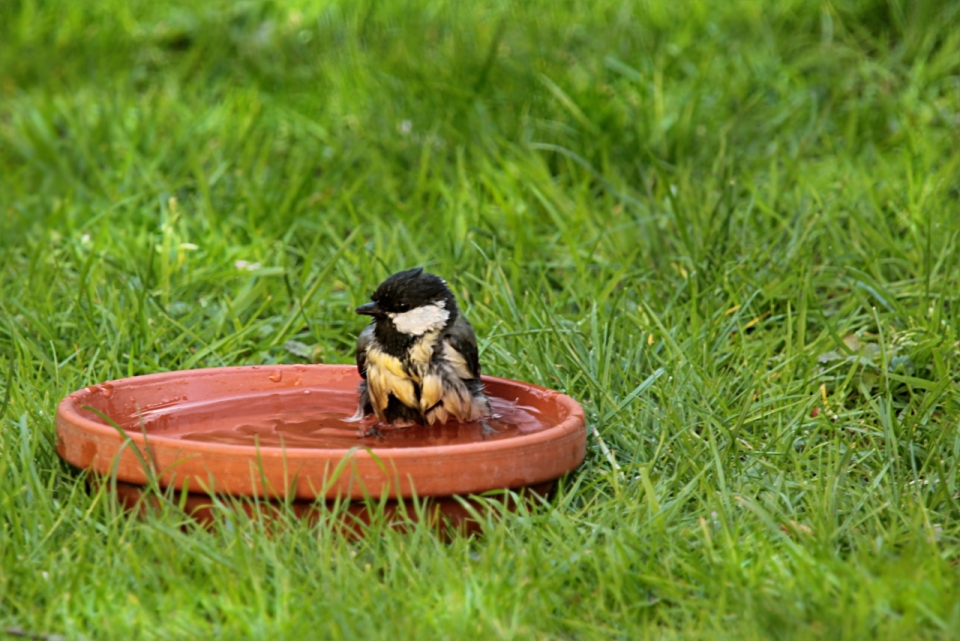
729,229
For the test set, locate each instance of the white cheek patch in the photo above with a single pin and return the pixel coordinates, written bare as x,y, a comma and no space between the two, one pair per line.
421,320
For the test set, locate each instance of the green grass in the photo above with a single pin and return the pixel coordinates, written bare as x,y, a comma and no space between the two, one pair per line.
730,229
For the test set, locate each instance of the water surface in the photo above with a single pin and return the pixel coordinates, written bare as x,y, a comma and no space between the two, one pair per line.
316,419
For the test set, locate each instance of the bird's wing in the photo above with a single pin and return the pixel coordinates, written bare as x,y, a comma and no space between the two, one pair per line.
363,342
461,339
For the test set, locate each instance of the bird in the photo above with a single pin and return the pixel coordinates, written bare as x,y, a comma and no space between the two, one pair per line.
418,357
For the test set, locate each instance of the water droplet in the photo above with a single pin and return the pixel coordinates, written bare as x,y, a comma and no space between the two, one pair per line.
306,391
276,377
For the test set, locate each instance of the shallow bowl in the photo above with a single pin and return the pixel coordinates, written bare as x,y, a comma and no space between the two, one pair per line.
279,432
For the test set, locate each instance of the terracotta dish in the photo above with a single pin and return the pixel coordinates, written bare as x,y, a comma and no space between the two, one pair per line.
279,432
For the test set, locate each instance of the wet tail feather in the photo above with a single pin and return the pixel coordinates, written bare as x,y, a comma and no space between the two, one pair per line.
364,406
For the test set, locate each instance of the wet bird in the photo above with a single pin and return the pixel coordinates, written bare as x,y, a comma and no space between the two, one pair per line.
418,357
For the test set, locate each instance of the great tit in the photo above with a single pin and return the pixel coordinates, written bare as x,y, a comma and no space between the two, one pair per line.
418,357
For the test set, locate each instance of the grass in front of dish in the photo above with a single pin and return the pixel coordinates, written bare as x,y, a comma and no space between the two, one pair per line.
730,230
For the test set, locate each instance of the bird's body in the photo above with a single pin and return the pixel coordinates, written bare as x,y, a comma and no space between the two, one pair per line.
418,357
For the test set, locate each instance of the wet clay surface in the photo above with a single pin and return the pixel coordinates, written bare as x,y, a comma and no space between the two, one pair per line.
316,418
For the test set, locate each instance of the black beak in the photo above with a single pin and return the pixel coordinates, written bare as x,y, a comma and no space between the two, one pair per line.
370,309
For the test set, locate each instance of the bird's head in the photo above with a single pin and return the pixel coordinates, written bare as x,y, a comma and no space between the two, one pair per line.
414,302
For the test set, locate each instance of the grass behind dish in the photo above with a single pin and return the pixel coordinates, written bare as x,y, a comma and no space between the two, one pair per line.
730,230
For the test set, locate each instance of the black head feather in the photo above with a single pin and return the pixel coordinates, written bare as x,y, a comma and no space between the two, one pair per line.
413,288
399,294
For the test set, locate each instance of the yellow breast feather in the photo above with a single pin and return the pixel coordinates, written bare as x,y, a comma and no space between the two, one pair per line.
385,376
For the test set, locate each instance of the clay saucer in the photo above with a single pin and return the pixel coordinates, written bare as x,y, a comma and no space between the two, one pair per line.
279,432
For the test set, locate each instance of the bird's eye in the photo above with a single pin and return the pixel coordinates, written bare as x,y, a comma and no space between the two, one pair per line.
403,307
